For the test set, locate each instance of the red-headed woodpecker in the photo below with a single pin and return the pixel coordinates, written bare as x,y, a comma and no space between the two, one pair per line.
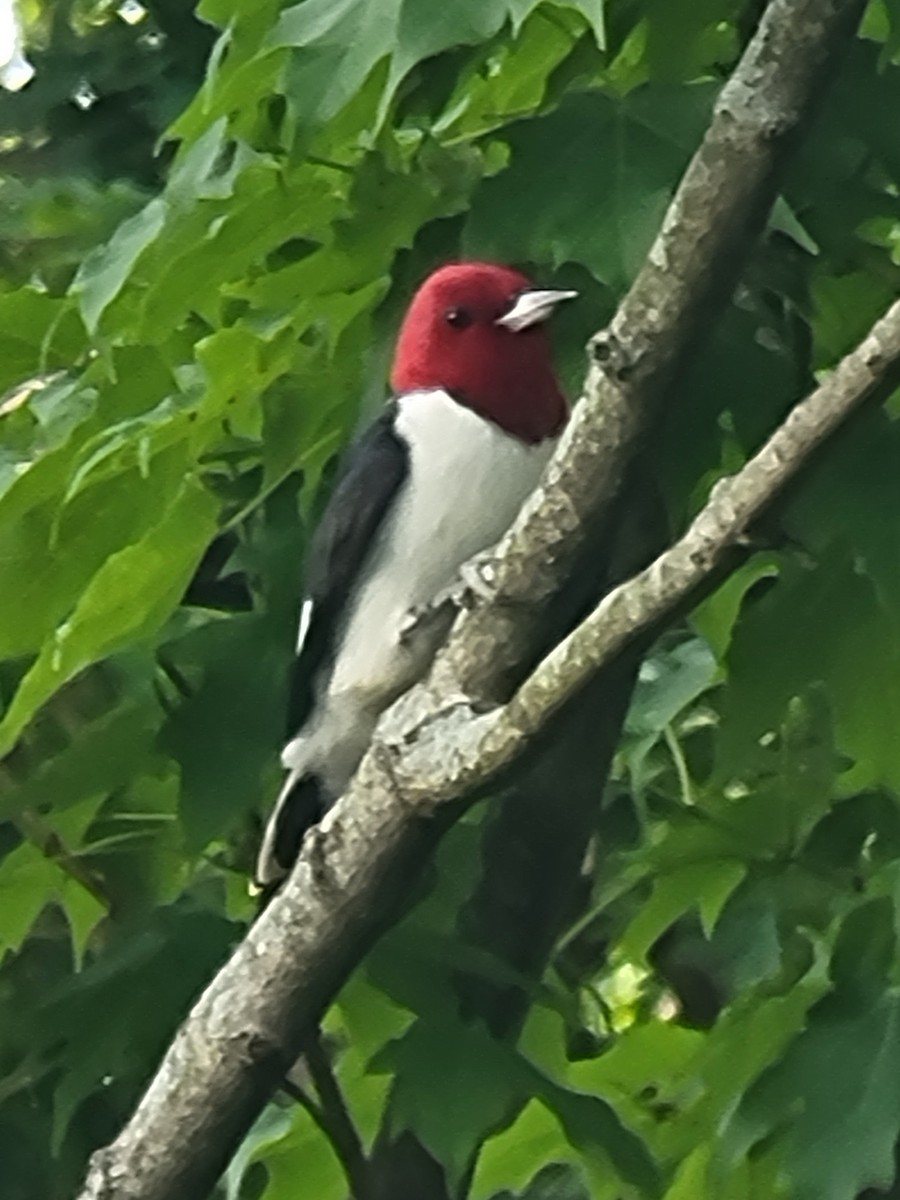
436,479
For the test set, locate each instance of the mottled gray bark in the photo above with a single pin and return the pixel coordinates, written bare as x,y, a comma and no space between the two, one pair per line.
439,748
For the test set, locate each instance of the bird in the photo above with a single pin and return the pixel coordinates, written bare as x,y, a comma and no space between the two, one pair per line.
436,479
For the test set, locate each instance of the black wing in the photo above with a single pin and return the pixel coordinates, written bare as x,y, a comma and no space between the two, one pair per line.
368,482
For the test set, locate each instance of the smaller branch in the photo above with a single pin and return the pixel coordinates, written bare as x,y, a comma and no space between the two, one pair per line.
678,575
336,1121
307,1103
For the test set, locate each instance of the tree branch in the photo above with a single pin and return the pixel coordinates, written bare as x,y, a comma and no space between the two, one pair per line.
718,209
433,754
677,578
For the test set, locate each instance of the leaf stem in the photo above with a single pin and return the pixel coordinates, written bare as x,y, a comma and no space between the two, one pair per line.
36,830
684,777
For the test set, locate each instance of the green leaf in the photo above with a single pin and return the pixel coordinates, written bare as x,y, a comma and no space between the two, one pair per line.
705,886
690,1177
680,37
138,845
830,630
594,12
337,45
594,1128
103,274
481,1082
748,948
369,1015
845,308
40,583
510,1159
855,477
271,1127
83,912
670,681
839,1075
105,754
716,617
514,80
893,14
594,1114
128,598
646,1061
753,1034
809,764
29,881
631,153
784,220
31,878
169,955
226,735
308,1158
37,332
865,950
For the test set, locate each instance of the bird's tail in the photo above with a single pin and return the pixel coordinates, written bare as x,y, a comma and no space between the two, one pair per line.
300,804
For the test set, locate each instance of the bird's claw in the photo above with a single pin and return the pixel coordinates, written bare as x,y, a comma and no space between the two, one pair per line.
428,617
475,582
478,579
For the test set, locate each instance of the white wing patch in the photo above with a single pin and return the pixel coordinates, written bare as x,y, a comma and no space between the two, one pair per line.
306,613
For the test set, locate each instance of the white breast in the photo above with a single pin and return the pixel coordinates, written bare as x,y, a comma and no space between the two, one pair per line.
466,483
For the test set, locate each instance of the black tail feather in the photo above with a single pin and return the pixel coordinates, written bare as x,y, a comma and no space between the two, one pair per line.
299,807
302,808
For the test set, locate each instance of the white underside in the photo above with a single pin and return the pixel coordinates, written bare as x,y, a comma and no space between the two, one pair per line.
466,483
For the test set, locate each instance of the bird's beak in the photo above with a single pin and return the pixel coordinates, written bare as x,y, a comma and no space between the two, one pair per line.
531,307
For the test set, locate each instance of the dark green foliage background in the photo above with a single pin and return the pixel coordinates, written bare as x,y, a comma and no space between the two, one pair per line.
215,312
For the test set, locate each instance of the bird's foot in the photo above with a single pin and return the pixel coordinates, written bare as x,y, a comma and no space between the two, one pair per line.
431,619
478,578
475,583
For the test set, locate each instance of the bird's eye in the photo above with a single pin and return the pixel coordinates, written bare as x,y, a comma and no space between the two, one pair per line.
458,318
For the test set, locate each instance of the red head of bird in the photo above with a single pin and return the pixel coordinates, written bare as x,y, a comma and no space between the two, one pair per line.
476,330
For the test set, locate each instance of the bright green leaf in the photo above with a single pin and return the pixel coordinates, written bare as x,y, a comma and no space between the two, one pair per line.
128,598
